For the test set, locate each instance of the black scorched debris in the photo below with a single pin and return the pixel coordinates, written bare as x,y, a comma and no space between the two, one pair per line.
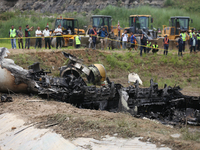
168,105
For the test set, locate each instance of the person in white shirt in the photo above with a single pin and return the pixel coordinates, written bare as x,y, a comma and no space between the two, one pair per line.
124,39
46,34
58,33
38,34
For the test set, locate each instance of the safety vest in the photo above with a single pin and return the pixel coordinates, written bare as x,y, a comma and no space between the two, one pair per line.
191,34
166,41
155,46
95,33
148,44
12,33
198,37
78,42
183,36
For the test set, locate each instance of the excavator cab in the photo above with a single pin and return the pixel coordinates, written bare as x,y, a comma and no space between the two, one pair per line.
68,25
138,22
179,24
102,21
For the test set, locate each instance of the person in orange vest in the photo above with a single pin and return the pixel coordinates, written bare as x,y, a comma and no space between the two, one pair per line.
93,35
166,45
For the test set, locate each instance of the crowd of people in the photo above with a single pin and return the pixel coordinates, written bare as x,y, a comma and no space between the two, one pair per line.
130,42
106,39
39,35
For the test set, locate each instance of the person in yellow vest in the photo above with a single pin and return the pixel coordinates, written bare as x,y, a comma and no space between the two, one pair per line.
191,33
78,41
198,40
148,46
155,48
183,34
13,34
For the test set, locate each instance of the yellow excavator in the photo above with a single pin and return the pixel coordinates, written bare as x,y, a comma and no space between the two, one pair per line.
70,31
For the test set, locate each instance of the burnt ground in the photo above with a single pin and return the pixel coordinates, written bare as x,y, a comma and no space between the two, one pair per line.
73,122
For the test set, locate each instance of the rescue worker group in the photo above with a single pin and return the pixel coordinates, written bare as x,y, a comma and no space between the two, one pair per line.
107,40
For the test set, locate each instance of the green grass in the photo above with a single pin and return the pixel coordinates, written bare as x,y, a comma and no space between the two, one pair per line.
171,70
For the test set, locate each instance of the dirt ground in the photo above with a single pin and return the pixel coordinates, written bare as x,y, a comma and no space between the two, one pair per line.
72,122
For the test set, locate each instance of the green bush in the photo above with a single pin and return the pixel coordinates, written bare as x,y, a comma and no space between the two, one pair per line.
7,15
168,3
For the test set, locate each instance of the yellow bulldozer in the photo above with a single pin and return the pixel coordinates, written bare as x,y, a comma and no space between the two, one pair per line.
177,25
70,30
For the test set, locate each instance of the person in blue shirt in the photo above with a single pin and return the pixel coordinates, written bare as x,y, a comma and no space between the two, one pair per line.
180,45
103,35
133,41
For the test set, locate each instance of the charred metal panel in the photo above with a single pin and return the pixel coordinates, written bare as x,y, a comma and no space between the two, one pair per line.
168,105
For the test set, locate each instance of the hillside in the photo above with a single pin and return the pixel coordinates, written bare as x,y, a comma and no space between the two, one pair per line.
62,6
161,17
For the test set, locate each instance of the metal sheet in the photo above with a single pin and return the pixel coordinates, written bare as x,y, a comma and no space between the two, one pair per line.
7,82
86,70
77,65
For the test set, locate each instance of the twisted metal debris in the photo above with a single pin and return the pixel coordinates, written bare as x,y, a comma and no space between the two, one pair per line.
168,105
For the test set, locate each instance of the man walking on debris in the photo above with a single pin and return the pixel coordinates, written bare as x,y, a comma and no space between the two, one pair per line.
180,45
46,34
124,39
143,44
193,43
166,45
27,34
93,35
13,34
38,34
103,35
20,37
58,32
111,37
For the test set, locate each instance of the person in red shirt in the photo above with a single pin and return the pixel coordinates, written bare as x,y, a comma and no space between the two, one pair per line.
166,45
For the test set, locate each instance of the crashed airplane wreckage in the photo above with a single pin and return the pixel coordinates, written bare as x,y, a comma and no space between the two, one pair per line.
168,105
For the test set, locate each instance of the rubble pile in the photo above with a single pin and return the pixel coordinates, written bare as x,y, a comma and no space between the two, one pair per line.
168,105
